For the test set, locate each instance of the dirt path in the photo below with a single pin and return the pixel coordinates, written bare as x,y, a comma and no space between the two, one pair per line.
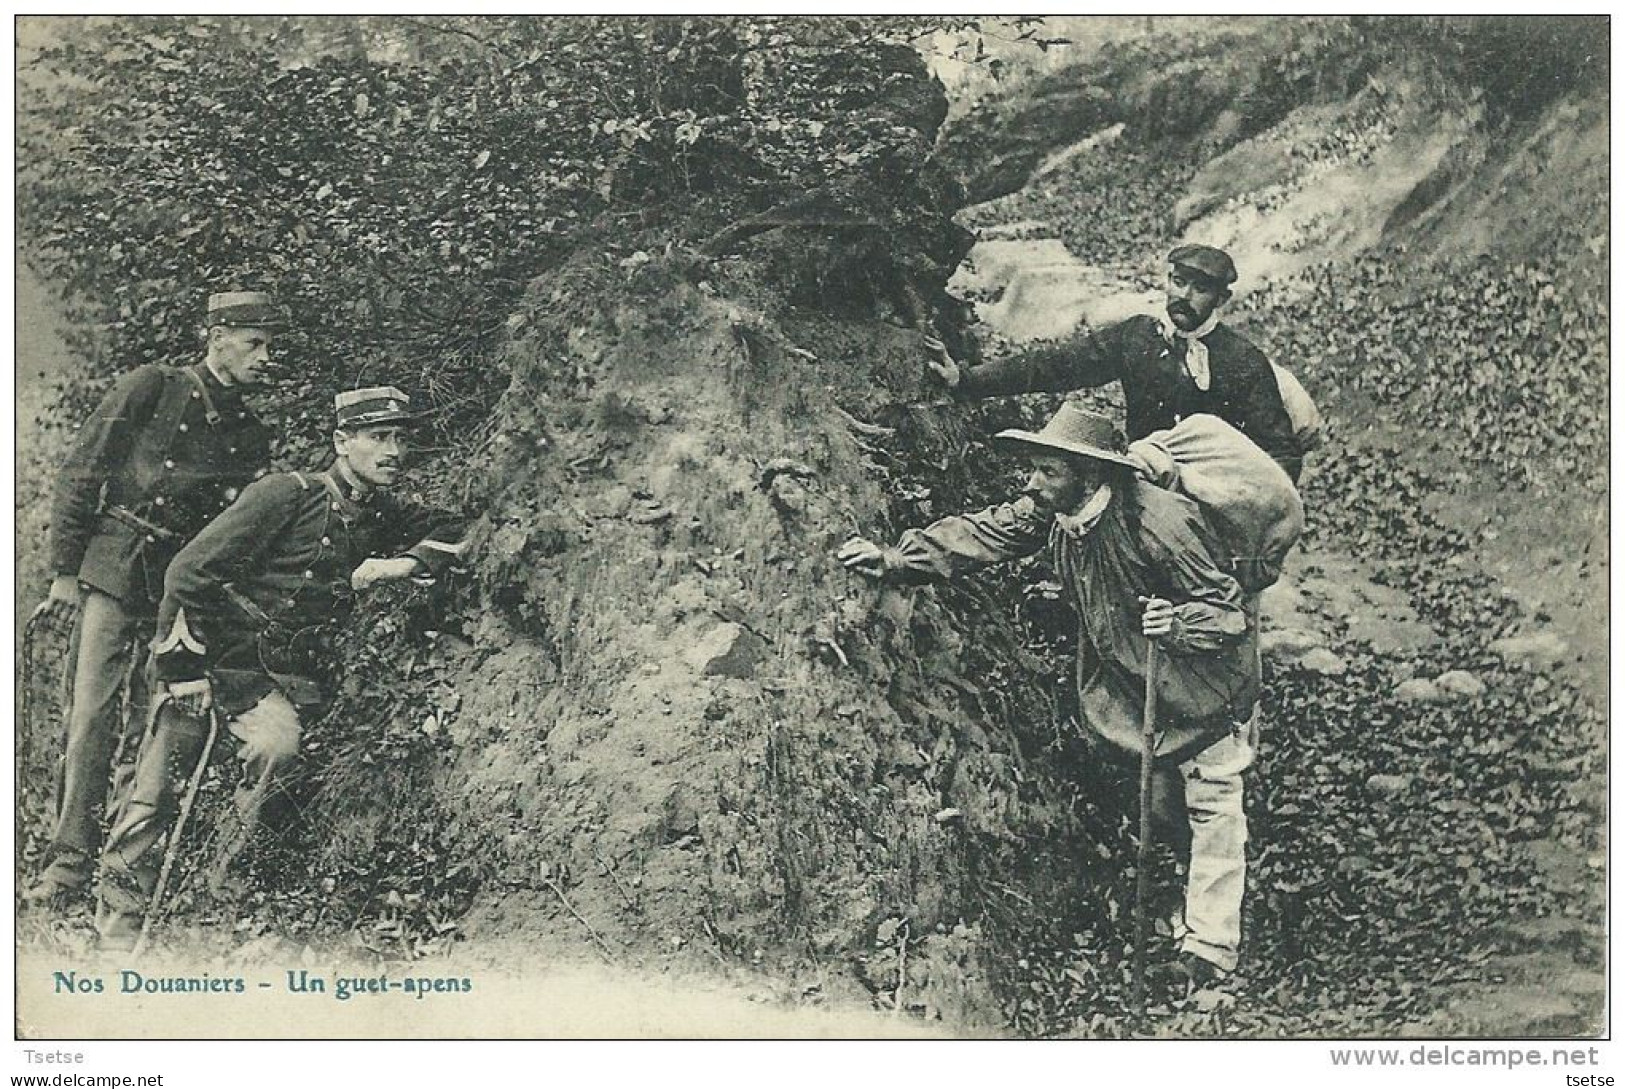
487,990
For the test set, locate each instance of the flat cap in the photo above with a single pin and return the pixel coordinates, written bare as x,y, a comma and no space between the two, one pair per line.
252,309
1206,261
372,406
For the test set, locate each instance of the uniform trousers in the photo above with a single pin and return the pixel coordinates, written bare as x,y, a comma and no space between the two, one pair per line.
105,639
267,737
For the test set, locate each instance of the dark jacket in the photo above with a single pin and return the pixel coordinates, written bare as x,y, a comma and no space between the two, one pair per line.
245,601
1158,391
1209,677
172,446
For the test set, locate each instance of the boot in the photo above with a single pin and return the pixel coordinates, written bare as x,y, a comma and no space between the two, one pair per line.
64,884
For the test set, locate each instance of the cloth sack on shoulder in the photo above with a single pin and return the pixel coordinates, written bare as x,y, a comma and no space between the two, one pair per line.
1248,500
1300,409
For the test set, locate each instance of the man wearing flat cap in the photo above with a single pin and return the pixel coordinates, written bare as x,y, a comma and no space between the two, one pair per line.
1180,364
167,449
240,630
1137,564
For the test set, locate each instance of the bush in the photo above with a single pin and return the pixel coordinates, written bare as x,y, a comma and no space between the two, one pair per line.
398,184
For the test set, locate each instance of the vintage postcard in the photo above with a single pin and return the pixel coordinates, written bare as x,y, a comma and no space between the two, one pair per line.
714,527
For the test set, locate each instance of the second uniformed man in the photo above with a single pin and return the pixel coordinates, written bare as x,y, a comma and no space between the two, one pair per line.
167,449
242,604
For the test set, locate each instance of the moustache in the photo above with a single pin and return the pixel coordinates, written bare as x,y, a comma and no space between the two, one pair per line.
265,373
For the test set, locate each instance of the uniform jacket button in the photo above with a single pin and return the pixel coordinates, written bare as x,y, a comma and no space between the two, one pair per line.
158,502
194,395
231,449
182,427
327,542
169,463
310,574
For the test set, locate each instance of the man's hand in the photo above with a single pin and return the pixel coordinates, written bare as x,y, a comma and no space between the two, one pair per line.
192,697
1157,622
63,599
376,570
940,362
863,556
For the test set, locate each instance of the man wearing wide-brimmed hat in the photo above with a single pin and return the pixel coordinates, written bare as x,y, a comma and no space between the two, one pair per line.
1138,564
241,630
1179,364
167,449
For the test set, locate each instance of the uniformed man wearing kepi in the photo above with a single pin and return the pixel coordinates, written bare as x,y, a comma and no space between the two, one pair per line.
239,630
167,449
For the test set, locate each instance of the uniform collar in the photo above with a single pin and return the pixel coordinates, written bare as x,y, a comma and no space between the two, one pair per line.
349,486
211,381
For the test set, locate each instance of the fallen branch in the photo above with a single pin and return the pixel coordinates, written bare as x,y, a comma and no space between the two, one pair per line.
869,430
603,946
811,211
609,872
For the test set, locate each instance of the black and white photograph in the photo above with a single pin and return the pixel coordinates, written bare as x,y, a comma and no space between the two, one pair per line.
790,527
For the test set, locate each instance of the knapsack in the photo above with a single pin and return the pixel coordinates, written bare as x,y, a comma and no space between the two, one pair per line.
1250,503
1300,409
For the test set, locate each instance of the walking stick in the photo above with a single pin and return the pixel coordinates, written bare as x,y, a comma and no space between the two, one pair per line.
1142,875
45,618
30,649
175,833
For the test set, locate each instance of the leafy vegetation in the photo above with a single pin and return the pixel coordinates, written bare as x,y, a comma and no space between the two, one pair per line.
401,207
634,267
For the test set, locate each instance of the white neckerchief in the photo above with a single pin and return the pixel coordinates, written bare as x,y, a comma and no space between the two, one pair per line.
1196,364
1079,524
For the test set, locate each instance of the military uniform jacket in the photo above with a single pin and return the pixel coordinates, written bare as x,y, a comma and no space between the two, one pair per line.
248,599
170,445
1158,390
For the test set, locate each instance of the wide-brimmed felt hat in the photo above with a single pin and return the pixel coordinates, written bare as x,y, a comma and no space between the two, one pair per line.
1074,431
1208,262
244,309
372,406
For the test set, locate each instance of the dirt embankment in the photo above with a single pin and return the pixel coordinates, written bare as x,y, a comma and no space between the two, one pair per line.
697,736
675,732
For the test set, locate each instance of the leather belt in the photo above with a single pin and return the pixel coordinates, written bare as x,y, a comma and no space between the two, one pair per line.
156,532
128,517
